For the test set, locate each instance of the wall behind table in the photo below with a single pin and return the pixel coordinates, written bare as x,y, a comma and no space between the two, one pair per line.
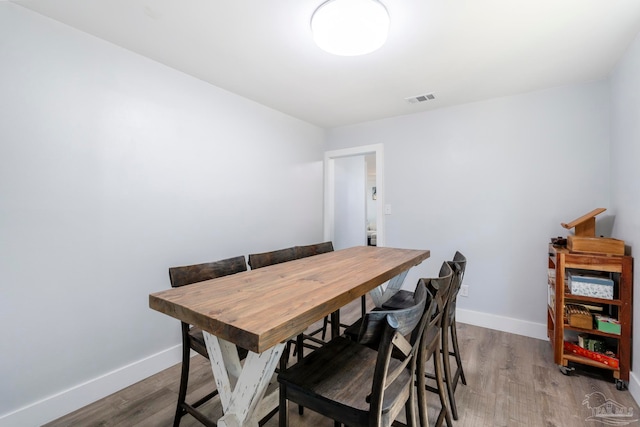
493,179
625,174
113,168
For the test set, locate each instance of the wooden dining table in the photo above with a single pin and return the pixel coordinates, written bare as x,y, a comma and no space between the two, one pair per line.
261,309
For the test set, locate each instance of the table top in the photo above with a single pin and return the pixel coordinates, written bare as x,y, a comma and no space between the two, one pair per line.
257,309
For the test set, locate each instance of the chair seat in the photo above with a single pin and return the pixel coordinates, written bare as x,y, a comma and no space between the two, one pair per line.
326,376
353,330
399,300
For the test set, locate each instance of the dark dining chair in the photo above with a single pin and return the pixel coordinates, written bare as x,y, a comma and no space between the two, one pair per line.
450,345
317,249
309,340
265,259
363,383
304,340
430,348
192,337
314,249
440,288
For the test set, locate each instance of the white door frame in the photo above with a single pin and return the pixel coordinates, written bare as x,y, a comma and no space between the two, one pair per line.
329,188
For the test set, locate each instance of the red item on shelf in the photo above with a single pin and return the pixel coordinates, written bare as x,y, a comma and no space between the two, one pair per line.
598,357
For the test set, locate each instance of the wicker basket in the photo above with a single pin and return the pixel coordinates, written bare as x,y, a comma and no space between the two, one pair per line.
578,316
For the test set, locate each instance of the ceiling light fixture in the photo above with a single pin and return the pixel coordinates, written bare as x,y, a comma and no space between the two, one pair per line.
350,27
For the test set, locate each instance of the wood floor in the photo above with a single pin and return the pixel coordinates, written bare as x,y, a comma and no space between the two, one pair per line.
511,381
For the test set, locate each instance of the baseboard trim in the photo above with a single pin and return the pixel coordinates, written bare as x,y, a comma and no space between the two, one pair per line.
59,404
502,323
634,386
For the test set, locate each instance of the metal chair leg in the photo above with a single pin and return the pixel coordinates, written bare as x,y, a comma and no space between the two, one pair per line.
421,385
184,379
300,346
444,411
283,406
447,370
456,352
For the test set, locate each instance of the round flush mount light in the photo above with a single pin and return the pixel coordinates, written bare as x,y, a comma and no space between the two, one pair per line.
350,27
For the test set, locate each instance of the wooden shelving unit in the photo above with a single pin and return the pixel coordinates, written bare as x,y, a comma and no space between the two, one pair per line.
619,268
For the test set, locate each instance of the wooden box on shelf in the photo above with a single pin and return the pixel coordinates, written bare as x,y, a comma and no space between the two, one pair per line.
596,245
607,324
585,239
578,316
590,285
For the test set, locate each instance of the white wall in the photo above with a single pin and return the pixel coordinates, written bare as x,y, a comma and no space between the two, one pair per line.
113,168
494,180
625,171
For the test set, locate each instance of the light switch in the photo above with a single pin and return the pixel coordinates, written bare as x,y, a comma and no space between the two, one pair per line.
387,209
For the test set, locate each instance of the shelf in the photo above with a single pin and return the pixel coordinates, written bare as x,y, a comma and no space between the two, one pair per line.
586,361
563,261
582,298
592,332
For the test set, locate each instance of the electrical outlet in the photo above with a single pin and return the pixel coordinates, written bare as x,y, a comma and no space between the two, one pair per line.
464,290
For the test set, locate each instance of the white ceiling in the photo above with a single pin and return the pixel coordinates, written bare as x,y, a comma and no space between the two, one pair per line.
461,50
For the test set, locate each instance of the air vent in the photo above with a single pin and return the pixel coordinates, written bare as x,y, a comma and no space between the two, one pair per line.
421,98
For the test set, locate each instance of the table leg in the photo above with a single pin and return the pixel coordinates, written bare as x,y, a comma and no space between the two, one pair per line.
335,324
241,388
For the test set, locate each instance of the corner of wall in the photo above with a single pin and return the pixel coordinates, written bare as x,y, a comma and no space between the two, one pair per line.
502,323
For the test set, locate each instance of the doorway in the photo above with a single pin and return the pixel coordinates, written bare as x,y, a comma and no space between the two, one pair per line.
354,196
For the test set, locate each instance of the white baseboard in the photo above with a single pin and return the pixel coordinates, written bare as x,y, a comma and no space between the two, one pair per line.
59,404
634,386
502,323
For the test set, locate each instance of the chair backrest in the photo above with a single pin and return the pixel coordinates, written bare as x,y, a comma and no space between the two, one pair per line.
274,257
461,260
315,249
441,287
458,265
374,322
389,328
189,274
